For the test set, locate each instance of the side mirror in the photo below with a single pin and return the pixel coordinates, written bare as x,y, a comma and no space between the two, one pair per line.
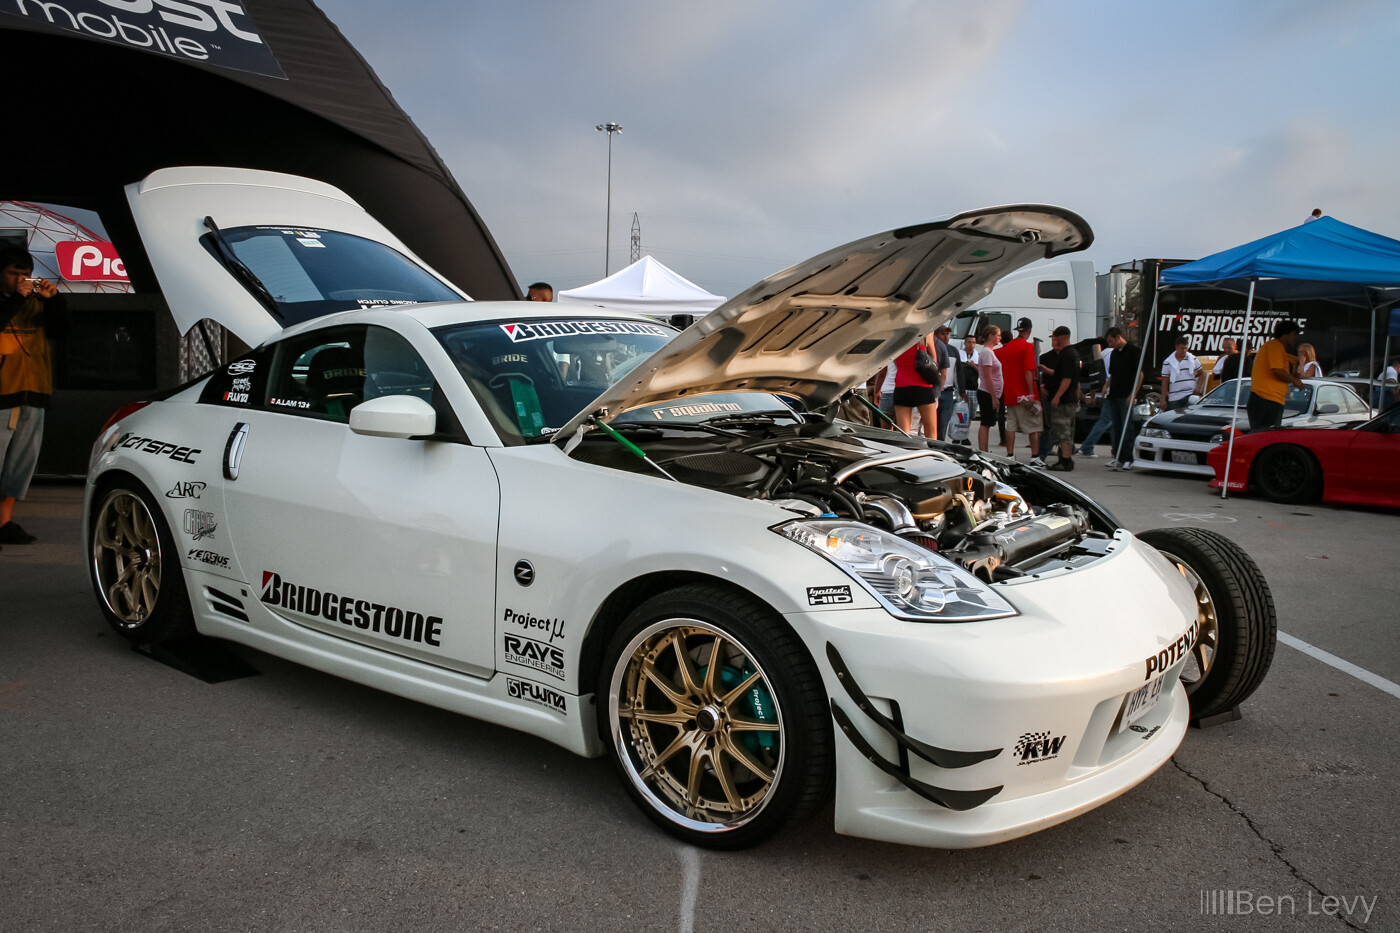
1328,409
1192,399
394,416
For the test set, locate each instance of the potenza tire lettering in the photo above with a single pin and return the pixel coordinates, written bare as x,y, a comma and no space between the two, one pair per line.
361,613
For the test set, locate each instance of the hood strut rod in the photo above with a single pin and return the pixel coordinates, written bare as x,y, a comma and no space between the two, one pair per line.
608,430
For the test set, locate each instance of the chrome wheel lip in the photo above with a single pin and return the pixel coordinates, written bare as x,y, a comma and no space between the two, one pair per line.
139,560
622,743
1207,646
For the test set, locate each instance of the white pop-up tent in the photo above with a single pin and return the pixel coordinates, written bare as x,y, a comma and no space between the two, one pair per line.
646,287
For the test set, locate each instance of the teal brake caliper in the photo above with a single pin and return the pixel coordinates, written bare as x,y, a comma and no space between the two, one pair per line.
757,703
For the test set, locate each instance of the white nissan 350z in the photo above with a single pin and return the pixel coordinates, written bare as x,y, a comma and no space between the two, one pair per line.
664,547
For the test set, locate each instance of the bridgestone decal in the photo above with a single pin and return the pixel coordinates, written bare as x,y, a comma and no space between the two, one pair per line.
359,613
543,330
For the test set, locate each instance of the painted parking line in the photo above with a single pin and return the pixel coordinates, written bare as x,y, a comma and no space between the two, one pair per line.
1360,673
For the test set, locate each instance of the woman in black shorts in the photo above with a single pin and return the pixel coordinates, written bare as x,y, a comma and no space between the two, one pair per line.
912,391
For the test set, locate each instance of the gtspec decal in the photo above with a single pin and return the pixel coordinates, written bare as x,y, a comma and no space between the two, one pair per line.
200,524
361,613
704,408
190,490
1033,747
212,558
289,402
530,653
238,392
554,628
543,330
242,367
537,694
828,595
149,445
1174,652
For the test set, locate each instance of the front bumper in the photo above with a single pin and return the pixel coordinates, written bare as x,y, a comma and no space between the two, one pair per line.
962,735
1157,453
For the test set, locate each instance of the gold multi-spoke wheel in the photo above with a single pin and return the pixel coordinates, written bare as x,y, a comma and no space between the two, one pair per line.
134,568
1237,624
715,716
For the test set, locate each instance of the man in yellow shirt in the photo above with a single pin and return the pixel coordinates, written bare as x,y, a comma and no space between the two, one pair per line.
1275,369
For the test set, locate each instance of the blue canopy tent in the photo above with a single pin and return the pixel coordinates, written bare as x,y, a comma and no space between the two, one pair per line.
1324,259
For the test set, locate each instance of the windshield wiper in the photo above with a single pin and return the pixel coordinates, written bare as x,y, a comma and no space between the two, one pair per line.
765,415
700,426
240,270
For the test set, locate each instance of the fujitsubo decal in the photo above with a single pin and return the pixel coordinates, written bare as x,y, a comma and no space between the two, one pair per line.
238,392
1033,747
554,628
242,367
289,402
1174,652
212,558
185,490
703,408
542,330
828,595
530,653
149,445
360,613
536,693
200,524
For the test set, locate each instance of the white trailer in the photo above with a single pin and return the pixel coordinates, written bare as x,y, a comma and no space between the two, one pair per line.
1051,294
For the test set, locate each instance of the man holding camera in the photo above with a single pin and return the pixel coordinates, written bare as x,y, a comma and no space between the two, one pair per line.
31,312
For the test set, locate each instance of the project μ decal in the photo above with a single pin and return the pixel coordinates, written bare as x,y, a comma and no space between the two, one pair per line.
149,445
1033,747
530,653
690,411
537,694
190,490
212,558
360,613
207,32
828,595
242,367
238,391
554,628
543,330
524,572
199,525
1174,652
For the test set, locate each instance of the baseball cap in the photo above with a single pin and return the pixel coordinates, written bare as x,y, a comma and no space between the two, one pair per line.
942,327
1023,324
1061,331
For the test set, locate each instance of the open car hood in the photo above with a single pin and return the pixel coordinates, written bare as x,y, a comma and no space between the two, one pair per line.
823,326
170,205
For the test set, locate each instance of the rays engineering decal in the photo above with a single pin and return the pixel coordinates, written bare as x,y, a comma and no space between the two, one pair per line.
543,330
527,652
537,694
362,614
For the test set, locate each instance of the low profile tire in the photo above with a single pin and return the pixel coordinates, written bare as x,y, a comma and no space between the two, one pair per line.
1238,626
1287,473
135,567
724,754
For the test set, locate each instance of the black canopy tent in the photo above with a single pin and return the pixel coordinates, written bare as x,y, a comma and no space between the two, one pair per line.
98,115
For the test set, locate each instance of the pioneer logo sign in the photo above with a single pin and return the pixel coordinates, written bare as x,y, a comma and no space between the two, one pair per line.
200,524
1174,652
97,261
537,694
1034,747
828,595
359,613
530,653
218,32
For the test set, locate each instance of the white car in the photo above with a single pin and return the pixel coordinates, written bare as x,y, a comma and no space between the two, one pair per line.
663,548
1178,441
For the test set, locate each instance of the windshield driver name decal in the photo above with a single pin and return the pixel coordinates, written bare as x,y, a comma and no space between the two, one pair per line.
705,408
543,330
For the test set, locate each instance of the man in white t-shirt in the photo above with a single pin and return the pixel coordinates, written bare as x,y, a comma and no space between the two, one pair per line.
1182,374
1227,350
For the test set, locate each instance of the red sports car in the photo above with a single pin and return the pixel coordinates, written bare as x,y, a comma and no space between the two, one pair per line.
1358,465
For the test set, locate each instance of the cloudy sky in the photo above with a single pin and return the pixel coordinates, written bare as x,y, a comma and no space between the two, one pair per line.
757,133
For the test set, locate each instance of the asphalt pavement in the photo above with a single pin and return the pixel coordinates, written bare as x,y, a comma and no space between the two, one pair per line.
136,797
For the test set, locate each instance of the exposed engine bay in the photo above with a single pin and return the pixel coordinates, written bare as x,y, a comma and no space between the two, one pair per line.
997,519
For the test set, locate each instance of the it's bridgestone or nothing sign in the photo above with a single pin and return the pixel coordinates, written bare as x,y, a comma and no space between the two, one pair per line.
212,32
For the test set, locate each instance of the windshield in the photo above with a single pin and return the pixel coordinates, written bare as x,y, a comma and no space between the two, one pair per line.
1297,401
532,376
309,272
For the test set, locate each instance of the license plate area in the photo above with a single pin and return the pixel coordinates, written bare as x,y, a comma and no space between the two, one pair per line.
1184,456
1140,702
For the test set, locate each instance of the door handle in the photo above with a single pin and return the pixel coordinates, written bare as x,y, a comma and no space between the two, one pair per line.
233,450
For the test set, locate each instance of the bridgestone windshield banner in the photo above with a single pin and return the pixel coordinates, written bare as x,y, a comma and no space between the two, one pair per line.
214,32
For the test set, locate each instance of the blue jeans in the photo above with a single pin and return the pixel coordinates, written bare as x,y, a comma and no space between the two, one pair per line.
1103,426
1124,427
946,400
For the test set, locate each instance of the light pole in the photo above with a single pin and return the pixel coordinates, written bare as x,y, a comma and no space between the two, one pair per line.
608,128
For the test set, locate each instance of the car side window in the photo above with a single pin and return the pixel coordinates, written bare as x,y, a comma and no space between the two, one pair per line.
1331,395
326,373
1355,404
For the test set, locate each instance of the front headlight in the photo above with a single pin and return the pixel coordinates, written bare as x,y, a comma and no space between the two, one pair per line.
1156,432
910,581
1217,438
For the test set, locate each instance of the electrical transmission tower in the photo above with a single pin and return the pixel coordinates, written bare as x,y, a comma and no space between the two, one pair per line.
636,237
